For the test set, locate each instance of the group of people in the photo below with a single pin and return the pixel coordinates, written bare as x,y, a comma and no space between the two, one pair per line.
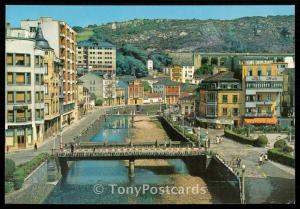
262,158
219,139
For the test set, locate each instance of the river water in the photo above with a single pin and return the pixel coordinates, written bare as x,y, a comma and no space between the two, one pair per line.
87,179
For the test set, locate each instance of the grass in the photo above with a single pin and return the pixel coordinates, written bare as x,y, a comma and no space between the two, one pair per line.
83,36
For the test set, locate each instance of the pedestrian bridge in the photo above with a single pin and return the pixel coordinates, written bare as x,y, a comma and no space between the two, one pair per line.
131,152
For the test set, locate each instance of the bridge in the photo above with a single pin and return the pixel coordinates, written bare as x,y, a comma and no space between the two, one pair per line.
131,152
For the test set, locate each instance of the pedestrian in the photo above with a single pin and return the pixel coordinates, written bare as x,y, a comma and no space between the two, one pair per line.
35,147
260,161
7,149
208,142
72,149
265,157
239,162
217,140
94,149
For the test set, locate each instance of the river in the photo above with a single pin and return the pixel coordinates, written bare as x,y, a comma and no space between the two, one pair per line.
87,179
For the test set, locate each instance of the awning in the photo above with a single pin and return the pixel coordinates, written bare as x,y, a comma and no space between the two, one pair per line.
272,120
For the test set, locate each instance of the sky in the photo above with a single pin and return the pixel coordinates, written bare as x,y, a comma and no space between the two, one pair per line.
88,15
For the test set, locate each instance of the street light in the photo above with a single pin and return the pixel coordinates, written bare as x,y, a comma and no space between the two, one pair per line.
243,201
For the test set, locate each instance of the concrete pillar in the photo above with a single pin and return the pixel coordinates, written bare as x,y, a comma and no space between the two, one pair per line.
131,168
26,137
15,137
209,60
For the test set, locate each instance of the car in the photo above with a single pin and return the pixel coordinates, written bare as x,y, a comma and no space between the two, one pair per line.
189,131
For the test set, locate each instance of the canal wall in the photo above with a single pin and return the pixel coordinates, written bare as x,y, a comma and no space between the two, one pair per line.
173,134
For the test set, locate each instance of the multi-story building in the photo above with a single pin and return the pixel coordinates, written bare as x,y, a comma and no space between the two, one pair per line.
169,91
220,100
109,89
262,88
53,66
288,97
187,105
94,83
135,93
149,64
121,92
83,97
24,92
97,56
188,73
177,74
62,38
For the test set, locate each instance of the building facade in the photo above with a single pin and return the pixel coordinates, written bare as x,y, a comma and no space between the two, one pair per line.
109,89
177,74
24,92
262,89
135,93
220,101
97,56
94,83
62,38
169,91
187,106
151,98
188,72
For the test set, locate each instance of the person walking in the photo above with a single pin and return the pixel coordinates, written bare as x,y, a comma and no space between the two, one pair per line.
35,147
72,149
7,149
260,161
266,157
239,162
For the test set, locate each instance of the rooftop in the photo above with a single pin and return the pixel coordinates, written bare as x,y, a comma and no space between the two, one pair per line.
95,44
222,76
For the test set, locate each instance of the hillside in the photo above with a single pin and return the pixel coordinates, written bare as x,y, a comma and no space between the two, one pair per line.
248,34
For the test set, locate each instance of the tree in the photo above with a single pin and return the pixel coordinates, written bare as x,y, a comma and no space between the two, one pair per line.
93,96
204,70
78,29
98,102
147,87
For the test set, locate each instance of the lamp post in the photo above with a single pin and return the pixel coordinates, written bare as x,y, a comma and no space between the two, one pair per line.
243,201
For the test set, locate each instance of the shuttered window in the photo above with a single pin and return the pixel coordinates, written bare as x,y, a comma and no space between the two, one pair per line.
20,96
20,59
9,59
10,97
9,78
27,63
20,79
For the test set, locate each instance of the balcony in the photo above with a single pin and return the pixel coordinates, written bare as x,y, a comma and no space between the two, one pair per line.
264,78
258,115
20,120
62,34
265,102
62,46
261,90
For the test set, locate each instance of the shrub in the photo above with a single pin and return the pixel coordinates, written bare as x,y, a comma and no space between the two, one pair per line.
262,141
287,149
280,144
9,186
239,138
18,178
278,156
10,168
98,102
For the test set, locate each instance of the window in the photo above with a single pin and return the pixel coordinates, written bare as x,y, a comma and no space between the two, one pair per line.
37,79
42,79
10,78
21,116
268,110
28,77
32,29
259,72
36,61
235,99
235,111
20,78
20,59
20,97
258,97
269,72
27,61
37,114
224,98
46,68
224,111
28,97
37,97
10,99
268,97
259,109
249,72
46,109
9,59
10,116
